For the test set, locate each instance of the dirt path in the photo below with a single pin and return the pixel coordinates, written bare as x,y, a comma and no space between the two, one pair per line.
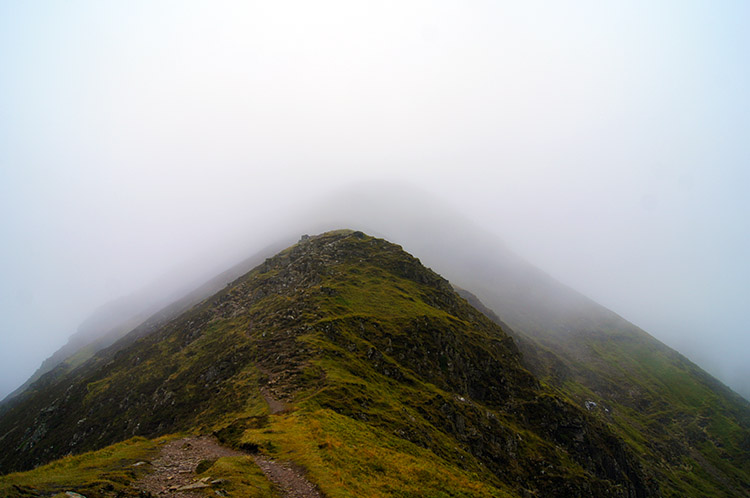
274,405
290,479
174,469
174,474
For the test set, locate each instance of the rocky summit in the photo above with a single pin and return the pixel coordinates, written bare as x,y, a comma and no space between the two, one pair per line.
340,367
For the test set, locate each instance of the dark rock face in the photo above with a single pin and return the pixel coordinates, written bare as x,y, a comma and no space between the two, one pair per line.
369,308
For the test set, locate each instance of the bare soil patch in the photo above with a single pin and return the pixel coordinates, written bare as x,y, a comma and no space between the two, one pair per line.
175,467
289,478
174,470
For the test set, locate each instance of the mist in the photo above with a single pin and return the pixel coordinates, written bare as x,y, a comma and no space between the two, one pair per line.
154,146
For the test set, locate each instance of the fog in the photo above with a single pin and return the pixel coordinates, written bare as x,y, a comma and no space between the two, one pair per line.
606,143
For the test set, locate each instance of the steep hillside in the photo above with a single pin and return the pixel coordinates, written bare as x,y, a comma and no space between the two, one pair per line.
691,430
346,356
142,312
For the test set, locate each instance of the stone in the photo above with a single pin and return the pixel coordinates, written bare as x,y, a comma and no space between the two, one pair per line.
197,485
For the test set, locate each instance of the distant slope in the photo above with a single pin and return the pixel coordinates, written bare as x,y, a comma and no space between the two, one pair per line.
145,310
458,248
103,328
691,429
347,356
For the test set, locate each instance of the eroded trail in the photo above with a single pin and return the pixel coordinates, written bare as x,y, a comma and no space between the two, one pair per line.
290,479
174,470
173,474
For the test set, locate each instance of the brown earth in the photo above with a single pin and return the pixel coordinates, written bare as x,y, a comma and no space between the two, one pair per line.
274,405
173,474
288,477
174,468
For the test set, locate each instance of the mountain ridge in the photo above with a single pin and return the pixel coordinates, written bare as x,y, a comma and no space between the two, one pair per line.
351,333
285,327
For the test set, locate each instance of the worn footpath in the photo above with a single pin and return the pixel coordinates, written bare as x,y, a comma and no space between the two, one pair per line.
174,471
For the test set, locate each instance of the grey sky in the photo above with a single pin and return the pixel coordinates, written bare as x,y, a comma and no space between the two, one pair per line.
605,142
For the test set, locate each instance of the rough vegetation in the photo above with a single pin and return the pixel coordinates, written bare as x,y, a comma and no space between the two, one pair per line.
106,472
691,431
346,357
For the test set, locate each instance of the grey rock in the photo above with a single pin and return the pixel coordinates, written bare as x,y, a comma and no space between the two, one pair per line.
197,485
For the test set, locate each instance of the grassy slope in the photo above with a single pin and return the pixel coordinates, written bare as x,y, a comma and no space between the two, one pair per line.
379,383
399,388
693,432
109,470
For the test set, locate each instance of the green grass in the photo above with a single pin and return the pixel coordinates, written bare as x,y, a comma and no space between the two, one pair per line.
373,291
663,408
110,472
347,458
242,478
94,474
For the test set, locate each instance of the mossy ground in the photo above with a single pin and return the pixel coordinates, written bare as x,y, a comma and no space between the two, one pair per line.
348,458
106,472
112,472
242,478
